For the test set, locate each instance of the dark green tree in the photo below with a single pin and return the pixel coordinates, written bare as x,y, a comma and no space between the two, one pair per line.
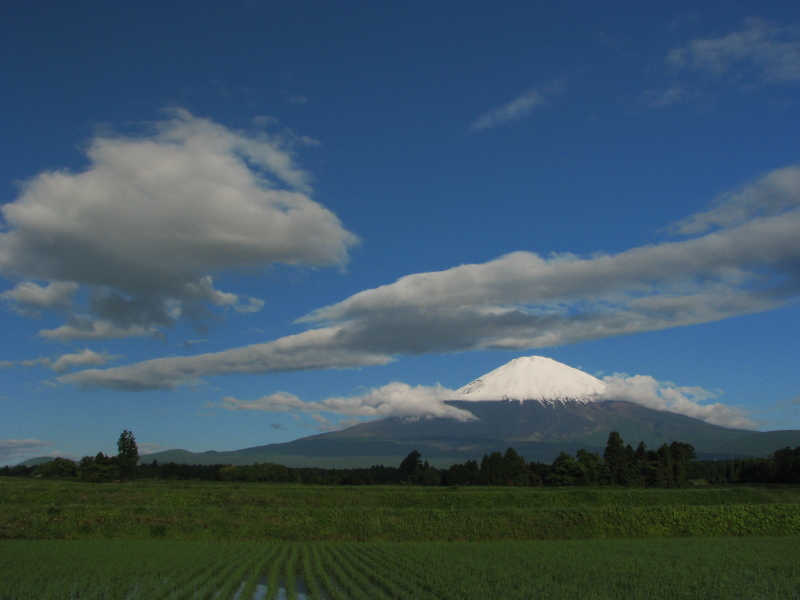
681,454
99,469
664,475
493,469
616,461
516,469
128,456
590,466
467,473
411,467
787,464
564,471
58,467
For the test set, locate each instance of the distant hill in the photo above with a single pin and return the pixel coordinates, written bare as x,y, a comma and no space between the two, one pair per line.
32,462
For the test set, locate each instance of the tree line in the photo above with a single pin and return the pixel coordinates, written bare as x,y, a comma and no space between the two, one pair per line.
670,465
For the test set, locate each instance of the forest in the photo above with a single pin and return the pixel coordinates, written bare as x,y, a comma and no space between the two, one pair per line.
669,466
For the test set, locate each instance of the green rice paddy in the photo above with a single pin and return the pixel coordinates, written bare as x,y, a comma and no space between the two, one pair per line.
724,568
153,540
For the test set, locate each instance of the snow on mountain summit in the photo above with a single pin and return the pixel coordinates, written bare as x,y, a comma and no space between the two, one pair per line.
534,378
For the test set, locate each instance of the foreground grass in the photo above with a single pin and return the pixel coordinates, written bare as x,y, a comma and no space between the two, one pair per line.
37,509
174,540
677,568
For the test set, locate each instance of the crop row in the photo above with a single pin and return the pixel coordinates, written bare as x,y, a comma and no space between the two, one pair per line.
676,568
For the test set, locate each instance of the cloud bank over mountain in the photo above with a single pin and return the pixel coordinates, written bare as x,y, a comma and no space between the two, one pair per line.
529,379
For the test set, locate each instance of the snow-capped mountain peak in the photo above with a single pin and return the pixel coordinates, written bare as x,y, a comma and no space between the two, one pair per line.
534,378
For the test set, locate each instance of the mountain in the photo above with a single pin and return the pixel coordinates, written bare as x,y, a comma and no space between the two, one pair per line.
534,378
535,404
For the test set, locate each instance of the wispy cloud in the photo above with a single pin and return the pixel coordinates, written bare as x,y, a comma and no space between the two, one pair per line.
28,364
775,193
759,53
746,264
147,224
65,362
519,108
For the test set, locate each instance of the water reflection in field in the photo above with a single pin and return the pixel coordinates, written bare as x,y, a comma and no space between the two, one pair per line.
262,587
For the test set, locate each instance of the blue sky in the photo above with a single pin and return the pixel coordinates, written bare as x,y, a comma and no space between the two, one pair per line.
232,224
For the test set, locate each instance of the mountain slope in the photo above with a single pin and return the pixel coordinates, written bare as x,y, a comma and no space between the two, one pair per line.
538,431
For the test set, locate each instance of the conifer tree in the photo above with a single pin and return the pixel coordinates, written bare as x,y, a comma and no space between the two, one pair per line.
128,456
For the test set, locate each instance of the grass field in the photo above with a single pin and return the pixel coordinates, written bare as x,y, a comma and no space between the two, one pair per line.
39,509
64,540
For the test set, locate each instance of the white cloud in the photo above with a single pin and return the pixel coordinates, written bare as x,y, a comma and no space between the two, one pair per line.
84,358
773,194
518,108
30,363
85,327
759,52
684,400
392,400
525,301
310,350
152,218
65,362
31,298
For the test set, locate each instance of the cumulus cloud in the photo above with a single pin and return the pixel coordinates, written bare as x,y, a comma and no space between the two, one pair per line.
152,218
684,400
518,108
392,400
748,263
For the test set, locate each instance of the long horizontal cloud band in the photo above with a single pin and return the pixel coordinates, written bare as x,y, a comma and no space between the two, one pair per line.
522,300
